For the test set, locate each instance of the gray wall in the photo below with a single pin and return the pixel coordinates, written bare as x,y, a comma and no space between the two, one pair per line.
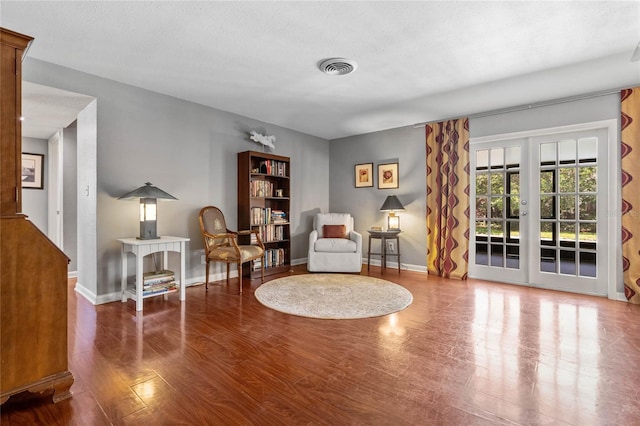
186,149
35,201
407,145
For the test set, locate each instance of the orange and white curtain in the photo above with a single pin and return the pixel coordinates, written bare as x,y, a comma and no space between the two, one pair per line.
630,162
448,198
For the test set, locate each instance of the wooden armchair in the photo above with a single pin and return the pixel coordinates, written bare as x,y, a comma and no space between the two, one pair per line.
221,244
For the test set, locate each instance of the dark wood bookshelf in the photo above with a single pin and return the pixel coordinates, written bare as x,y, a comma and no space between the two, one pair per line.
260,177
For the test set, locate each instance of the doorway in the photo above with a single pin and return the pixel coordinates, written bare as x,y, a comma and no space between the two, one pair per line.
539,208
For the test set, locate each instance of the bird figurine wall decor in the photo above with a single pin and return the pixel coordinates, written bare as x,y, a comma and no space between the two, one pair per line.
264,140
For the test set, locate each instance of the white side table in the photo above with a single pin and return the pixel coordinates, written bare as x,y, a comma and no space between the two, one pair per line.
142,248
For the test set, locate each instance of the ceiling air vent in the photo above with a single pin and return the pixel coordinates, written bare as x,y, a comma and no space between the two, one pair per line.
338,66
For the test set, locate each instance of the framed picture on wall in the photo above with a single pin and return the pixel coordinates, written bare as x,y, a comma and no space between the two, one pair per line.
388,176
32,170
364,175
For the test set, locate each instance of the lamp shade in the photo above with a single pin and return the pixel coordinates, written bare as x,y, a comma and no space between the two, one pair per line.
391,203
147,191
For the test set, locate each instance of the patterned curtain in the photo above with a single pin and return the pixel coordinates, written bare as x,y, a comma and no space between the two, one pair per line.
630,160
448,198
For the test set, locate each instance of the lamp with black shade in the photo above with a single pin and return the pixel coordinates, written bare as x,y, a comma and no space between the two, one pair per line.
391,204
148,195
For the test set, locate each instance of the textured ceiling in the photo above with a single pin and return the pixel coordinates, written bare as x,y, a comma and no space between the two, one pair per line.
417,61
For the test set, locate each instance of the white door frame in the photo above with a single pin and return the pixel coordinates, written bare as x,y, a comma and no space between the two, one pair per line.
55,200
611,212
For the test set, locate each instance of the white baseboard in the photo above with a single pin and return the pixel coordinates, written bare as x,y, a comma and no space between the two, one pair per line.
300,261
394,265
86,293
116,296
72,274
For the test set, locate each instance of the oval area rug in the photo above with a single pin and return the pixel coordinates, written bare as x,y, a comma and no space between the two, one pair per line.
333,296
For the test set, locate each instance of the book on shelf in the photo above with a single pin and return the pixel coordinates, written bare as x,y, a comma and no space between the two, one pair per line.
272,258
273,167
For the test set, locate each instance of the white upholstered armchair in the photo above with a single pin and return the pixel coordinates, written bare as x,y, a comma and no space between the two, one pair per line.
334,246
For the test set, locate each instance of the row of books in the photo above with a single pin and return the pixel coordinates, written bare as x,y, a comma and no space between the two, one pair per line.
271,259
261,188
158,282
267,215
271,167
270,233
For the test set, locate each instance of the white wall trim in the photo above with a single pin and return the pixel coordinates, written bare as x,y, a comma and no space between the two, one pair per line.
300,261
72,274
116,296
86,293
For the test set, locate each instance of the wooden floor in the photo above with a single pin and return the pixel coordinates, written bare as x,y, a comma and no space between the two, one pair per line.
463,353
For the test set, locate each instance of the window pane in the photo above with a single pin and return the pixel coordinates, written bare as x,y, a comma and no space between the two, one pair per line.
481,184
497,158
548,153
481,227
481,254
497,231
567,181
588,207
546,181
497,252
547,207
546,231
588,179
588,150
588,267
567,207
497,207
481,207
513,257
568,231
514,183
514,206
587,232
482,159
514,230
567,262
547,260
512,157
567,151
497,183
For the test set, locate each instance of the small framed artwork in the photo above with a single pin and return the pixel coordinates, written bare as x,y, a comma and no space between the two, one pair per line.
364,175
32,170
388,176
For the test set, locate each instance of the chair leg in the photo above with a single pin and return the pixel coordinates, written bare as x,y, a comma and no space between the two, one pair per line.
240,276
262,273
206,279
227,273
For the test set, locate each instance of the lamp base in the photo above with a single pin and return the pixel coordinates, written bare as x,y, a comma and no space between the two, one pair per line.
147,238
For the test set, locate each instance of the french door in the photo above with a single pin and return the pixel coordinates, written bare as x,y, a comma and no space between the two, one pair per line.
539,210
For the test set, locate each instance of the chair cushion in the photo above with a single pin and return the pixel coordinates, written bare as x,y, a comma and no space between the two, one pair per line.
335,245
334,231
228,254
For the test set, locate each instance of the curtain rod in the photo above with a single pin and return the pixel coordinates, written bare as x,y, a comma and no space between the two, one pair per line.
530,106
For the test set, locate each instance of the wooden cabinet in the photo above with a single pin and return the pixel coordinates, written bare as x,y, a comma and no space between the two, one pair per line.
13,46
264,202
33,271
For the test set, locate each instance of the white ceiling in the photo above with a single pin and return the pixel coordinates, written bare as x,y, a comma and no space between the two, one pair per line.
417,61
